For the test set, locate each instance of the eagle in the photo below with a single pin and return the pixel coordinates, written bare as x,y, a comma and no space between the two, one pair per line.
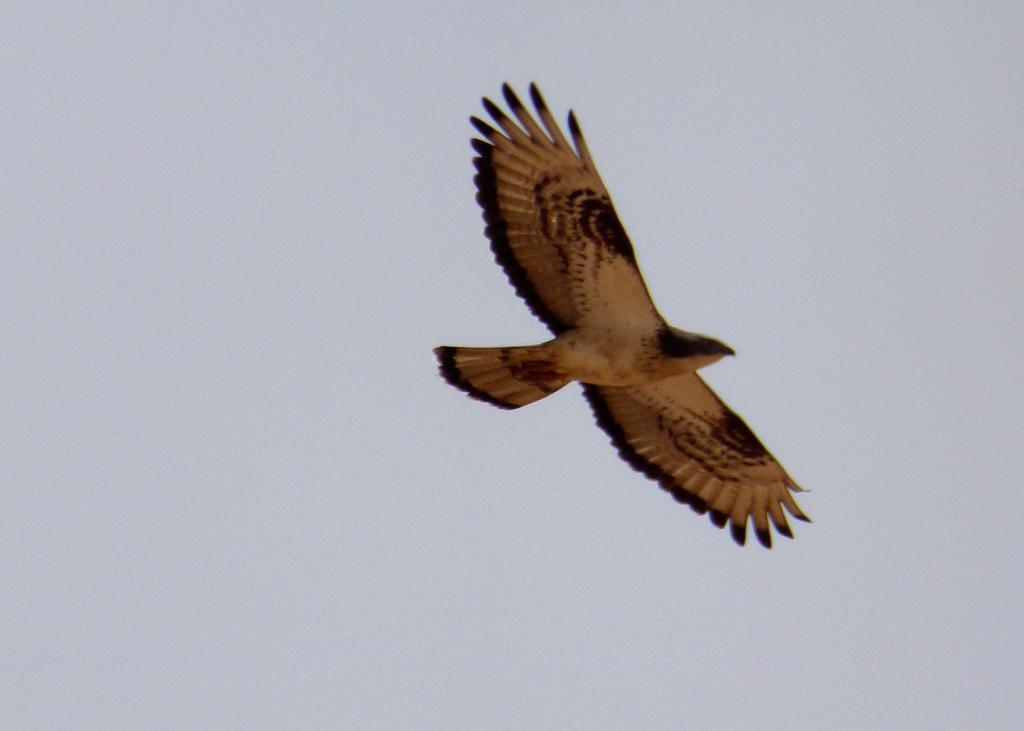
553,229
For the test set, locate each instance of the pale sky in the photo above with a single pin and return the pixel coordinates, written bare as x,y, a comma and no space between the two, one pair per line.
234,493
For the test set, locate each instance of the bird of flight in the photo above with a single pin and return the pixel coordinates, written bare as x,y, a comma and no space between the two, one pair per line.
554,230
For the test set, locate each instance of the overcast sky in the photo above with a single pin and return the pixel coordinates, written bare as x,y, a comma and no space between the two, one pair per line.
235,493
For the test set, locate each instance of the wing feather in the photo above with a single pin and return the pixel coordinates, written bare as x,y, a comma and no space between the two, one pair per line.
718,464
547,118
552,224
523,115
579,141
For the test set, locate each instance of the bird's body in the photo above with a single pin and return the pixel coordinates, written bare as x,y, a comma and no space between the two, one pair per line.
611,356
554,229
624,356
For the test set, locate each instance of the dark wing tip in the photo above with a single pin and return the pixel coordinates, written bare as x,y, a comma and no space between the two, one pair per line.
536,98
483,128
739,532
801,516
764,536
494,110
510,97
483,148
718,518
784,530
450,372
574,126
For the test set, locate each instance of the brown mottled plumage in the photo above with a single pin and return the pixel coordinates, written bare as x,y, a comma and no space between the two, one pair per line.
554,230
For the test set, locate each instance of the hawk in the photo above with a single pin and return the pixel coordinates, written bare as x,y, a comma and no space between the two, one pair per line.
554,230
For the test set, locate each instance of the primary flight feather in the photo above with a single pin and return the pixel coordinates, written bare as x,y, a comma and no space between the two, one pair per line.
554,230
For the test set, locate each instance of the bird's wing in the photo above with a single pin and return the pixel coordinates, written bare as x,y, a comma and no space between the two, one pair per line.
678,432
551,222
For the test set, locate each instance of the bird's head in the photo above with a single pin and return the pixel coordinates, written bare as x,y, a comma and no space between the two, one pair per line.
698,349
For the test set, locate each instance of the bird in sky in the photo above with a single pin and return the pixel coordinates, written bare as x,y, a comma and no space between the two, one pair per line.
554,230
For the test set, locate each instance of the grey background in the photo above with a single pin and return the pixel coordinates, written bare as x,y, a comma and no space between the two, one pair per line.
236,494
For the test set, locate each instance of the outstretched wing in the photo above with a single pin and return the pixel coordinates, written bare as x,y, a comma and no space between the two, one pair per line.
678,432
551,222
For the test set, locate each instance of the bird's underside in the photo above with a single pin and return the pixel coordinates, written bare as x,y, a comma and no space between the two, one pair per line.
554,230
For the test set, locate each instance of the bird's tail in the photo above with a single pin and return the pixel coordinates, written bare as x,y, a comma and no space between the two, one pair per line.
506,377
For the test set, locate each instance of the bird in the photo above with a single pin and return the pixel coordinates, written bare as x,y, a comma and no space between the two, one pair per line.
553,228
